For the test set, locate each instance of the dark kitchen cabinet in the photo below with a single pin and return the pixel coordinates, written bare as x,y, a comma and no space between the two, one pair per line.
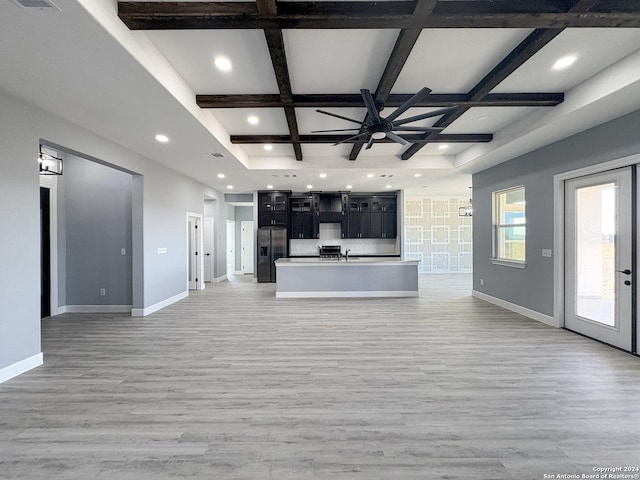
273,209
359,225
303,223
359,217
383,221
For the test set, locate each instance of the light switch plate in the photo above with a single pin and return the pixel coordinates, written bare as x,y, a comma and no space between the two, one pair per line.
546,252
162,250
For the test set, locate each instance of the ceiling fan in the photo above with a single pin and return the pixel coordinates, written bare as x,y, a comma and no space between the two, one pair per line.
376,127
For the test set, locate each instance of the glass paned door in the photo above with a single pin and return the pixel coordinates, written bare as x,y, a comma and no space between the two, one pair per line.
598,244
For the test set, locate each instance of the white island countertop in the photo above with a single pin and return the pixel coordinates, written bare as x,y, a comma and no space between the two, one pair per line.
309,261
357,277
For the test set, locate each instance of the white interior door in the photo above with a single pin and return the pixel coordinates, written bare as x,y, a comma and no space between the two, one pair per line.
193,238
207,248
246,243
231,250
598,256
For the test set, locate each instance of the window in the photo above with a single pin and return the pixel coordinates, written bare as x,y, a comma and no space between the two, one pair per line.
509,227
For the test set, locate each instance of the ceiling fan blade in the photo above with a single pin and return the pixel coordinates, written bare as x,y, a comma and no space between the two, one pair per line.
409,103
340,116
355,137
418,129
370,144
422,116
371,104
340,130
397,138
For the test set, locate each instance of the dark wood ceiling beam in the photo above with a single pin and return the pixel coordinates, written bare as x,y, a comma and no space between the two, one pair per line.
394,100
284,139
366,15
405,42
275,43
519,55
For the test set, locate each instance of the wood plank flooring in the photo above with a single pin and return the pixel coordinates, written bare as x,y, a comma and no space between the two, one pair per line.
233,383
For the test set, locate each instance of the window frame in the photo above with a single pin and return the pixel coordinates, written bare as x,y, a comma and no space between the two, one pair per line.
496,228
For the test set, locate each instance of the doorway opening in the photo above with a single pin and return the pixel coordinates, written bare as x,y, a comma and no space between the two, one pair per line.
45,253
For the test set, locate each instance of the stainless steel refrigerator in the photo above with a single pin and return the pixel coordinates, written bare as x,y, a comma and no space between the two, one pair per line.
271,245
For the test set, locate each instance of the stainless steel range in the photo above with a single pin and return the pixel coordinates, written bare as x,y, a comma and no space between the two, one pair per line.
330,251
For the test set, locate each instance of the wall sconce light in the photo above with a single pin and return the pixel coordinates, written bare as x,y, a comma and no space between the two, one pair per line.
49,163
466,210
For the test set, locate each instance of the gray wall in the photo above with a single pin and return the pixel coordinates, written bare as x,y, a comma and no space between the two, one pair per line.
532,287
160,198
96,226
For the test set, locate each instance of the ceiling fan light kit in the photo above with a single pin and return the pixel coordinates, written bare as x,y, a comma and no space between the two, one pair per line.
374,127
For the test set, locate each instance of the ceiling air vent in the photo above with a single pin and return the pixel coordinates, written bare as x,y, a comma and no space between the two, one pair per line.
217,155
36,4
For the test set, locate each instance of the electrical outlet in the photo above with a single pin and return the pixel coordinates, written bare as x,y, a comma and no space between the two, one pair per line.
103,292
123,251
481,281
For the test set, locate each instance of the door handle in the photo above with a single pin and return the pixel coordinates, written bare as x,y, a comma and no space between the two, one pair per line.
207,254
625,271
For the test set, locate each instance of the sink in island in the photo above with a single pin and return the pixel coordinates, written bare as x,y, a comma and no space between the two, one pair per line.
357,277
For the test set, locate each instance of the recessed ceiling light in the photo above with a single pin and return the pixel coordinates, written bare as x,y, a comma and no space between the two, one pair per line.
444,146
564,62
349,187
253,120
221,175
323,175
309,186
387,186
230,187
270,187
268,147
417,175
162,138
369,175
222,63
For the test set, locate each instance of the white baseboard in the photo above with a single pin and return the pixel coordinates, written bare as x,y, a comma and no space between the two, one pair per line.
20,367
354,294
95,309
540,317
219,279
143,312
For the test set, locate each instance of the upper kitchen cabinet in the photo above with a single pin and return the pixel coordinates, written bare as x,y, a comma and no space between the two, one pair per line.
303,224
383,221
273,208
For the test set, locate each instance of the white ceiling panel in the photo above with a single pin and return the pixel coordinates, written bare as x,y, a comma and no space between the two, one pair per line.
433,149
271,121
337,61
309,119
488,119
594,48
191,52
326,150
277,150
455,60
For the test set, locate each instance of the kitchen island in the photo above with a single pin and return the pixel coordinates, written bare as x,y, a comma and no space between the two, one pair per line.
355,277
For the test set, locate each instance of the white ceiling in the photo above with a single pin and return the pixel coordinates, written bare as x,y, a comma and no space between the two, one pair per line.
83,64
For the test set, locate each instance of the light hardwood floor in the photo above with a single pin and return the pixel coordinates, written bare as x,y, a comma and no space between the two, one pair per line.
232,383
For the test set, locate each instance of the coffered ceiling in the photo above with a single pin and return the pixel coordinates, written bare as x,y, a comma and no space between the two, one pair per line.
491,60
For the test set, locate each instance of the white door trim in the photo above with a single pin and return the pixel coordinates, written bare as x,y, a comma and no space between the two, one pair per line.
200,282
51,182
559,221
